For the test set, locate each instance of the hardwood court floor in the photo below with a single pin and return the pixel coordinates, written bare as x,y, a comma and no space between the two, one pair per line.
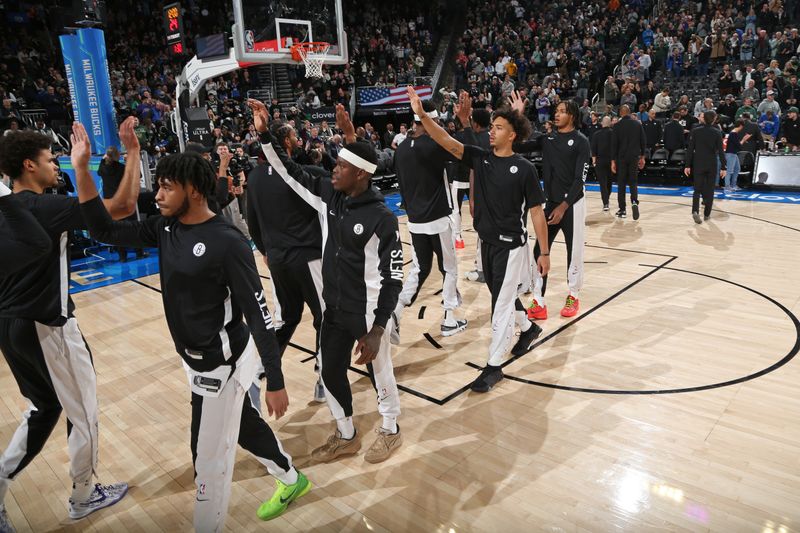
587,434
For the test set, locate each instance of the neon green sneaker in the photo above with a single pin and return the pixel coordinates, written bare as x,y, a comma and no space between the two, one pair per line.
283,496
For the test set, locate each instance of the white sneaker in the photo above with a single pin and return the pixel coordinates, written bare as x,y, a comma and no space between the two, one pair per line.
319,392
475,275
5,522
458,327
102,496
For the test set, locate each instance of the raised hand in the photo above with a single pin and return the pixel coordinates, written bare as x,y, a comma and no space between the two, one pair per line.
416,103
517,102
128,136
463,108
81,147
344,123
260,114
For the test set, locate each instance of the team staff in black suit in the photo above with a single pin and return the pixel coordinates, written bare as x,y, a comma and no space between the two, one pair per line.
627,149
702,155
601,144
674,134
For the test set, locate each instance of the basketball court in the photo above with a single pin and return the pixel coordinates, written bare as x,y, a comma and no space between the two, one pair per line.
669,403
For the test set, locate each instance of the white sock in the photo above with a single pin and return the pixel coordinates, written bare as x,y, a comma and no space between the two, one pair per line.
389,424
346,428
522,321
540,301
81,491
4,483
287,478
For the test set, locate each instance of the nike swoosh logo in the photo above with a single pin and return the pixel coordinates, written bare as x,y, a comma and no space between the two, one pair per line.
199,500
332,213
166,228
289,497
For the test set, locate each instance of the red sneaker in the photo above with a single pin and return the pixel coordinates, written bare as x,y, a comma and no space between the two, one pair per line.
570,307
459,244
536,311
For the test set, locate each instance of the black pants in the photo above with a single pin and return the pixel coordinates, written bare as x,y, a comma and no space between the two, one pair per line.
295,286
338,336
572,226
52,366
627,174
704,182
603,172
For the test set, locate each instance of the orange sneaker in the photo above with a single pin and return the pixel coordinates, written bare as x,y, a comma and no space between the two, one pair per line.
570,307
459,244
536,311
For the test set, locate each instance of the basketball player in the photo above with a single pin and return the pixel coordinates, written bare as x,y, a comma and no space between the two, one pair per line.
39,336
478,135
24,240
209,285
565,163
420,166
362,278
506,188
286,231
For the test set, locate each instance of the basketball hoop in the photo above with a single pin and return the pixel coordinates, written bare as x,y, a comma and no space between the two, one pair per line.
312,55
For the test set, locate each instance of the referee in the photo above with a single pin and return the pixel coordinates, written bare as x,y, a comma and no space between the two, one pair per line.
704,155
210,285
506,188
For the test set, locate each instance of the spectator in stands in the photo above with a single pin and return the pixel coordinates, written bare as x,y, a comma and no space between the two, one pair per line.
674,134
769,124
746,107
652,130
728,107
611,93
790,92
675,63
726,83
790,130
732,148
751,91
706,104
662,102
388,135
769,104
13,127
400,137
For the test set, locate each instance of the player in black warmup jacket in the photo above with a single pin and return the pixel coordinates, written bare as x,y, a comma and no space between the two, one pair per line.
565,162
39,335
210,286
506,187
286,230
24,240
362,261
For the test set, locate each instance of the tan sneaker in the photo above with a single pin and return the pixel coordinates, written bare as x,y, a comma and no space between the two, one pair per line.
336,447
384,445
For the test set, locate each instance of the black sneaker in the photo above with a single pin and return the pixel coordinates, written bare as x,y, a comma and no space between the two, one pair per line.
635,211
490,376
620,214
458,327
605,207
526,339
697,219
707,217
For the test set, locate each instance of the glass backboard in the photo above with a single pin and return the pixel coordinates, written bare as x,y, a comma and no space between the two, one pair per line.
265,30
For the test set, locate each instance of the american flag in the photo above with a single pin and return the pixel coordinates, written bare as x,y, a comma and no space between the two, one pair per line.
391,95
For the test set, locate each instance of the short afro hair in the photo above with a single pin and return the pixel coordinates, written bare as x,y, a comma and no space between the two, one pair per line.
188,168
17,147
519,122
481,117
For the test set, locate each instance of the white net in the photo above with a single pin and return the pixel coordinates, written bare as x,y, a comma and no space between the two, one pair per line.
313,58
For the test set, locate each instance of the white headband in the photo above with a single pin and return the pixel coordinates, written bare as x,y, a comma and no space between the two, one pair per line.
358,161
432,114
4,191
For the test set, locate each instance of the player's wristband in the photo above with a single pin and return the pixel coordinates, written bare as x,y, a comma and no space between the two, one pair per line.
546,255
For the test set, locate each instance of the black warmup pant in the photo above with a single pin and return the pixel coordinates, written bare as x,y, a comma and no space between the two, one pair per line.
295,287
603,172
340,332
573,229
704,182
627,174
23,353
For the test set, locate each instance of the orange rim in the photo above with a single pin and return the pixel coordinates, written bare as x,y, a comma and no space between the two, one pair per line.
300,50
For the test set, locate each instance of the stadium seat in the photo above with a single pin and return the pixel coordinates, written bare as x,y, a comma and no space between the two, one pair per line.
747,164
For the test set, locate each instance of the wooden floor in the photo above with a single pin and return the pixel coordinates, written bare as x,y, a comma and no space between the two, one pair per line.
593,431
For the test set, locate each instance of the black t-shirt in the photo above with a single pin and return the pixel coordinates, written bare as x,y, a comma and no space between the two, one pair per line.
40,292
209,286
565,163
505,189
420,166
